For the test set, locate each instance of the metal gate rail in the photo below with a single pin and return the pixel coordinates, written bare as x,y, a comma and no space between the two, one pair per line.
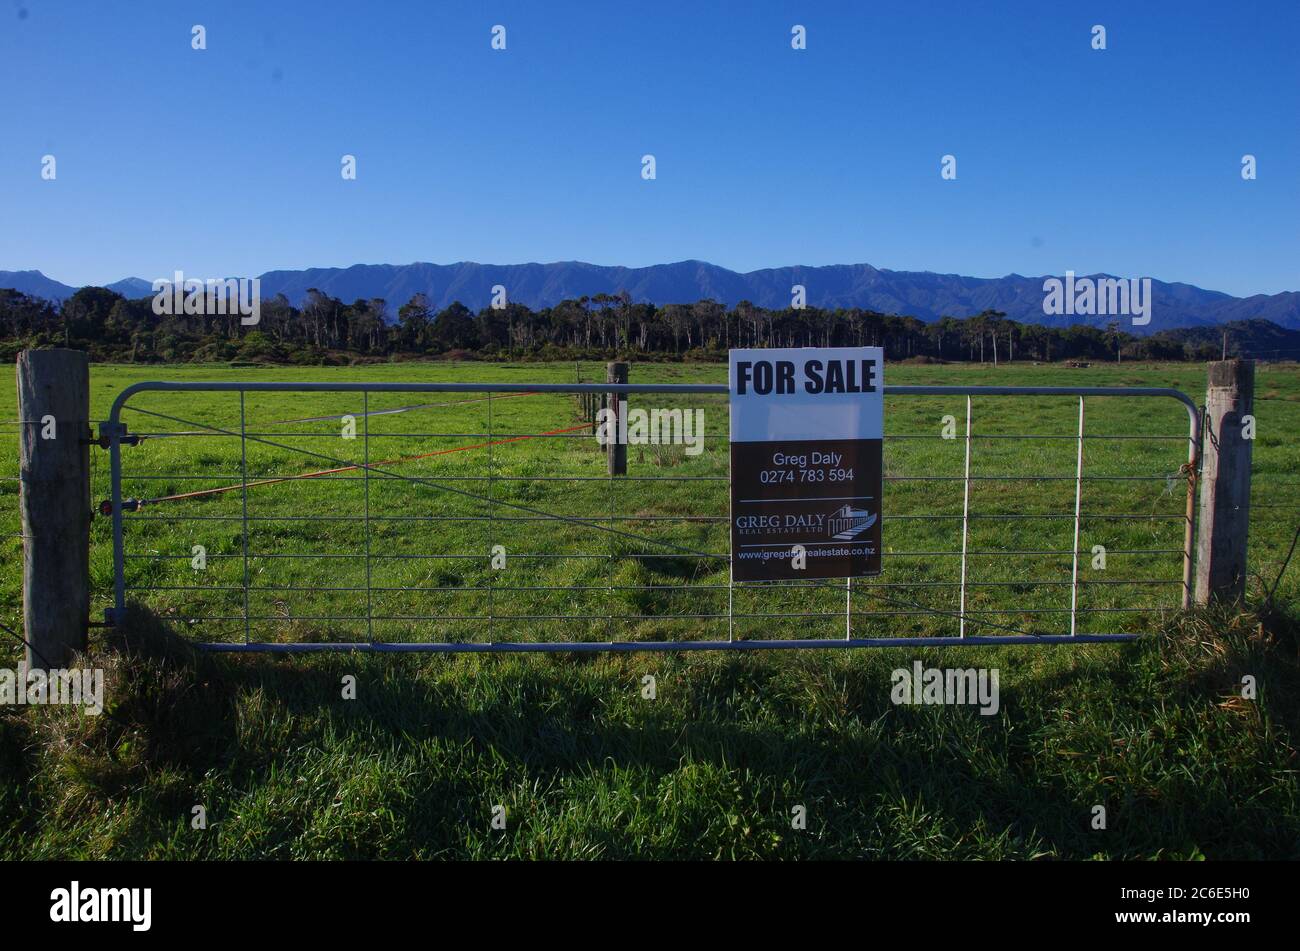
114,435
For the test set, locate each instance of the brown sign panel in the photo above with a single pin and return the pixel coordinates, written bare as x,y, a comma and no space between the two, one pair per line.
821,494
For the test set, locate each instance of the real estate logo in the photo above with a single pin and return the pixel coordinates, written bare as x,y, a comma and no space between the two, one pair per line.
847,523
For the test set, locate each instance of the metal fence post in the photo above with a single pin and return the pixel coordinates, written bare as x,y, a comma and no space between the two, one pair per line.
54,496
243,513
965,525
616,448
365,472
491,527
1225,482
1078,510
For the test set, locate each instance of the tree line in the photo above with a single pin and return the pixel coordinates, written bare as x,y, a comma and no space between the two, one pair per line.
327,331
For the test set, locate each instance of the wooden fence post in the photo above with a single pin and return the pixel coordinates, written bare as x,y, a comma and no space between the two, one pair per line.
1225,483
54,496
616,449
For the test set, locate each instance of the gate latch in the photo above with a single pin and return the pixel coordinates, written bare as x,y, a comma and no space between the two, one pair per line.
128,505
106,431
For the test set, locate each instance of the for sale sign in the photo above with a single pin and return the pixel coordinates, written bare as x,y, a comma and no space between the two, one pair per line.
806,429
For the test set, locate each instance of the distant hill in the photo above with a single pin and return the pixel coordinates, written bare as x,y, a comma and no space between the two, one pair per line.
1246,338
132,287
922,294
36,284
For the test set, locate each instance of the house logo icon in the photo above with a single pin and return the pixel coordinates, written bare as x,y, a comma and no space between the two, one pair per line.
847,523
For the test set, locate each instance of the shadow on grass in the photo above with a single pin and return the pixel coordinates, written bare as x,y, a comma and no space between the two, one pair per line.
1157,733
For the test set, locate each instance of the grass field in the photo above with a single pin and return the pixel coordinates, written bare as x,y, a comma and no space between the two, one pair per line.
586,767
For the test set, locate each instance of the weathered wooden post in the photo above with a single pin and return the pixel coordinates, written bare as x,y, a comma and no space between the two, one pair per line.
54,496
616,448
1225,482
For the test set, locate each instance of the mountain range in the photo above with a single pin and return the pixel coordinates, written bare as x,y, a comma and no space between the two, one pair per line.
922,294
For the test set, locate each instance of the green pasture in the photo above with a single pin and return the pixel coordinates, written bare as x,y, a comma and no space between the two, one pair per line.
585,764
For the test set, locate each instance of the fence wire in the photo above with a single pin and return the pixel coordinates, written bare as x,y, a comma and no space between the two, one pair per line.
11,539
257,516
1274,490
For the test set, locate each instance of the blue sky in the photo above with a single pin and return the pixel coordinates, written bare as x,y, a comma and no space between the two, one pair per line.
226,161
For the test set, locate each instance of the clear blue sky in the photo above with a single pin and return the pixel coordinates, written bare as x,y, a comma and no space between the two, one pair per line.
226,161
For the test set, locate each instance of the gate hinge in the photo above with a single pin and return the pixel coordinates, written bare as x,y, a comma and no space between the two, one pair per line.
107,430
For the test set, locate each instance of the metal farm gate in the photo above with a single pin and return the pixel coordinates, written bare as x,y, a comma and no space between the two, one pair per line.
492,525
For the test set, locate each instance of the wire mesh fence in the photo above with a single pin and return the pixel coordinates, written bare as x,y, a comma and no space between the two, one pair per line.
480,516
1274,488
11,534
